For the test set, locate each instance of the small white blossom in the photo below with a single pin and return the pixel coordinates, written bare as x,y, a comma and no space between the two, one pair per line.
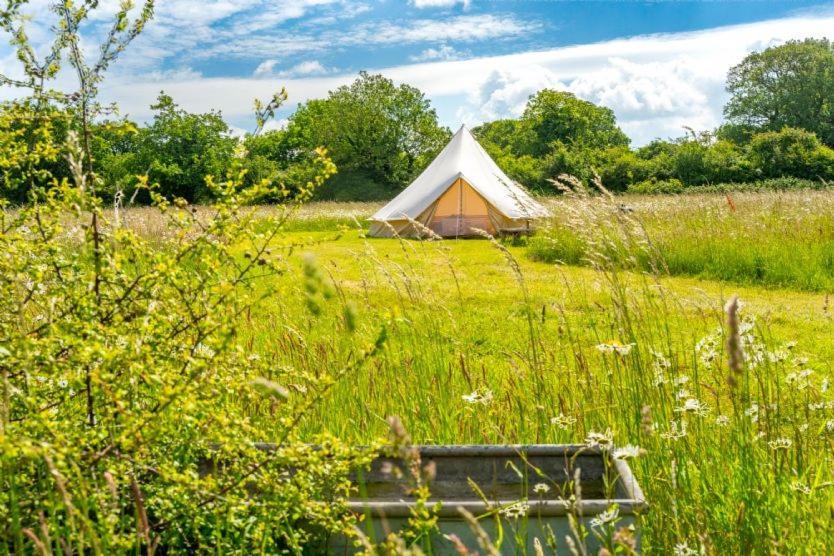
693,405
753,412
683,549
675,431
722,420
616,347
780,444
800,487
608,516
563,421
600,439
627,452
541,488
482,397
515,511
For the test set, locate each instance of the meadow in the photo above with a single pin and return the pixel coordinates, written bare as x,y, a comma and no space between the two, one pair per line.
497,342
615,325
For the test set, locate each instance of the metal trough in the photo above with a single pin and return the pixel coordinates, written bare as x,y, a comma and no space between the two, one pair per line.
506,475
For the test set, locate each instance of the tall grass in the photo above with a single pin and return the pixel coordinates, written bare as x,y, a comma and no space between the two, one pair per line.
775,239
735,461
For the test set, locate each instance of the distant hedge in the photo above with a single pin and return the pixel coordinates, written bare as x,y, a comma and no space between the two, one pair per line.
653,187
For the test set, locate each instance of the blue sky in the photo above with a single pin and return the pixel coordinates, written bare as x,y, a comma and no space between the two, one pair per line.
659,65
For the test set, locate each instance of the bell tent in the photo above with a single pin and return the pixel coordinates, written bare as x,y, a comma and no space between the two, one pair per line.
461,191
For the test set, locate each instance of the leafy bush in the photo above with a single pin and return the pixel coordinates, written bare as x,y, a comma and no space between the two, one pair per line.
791,152
772,184
130,404
654,186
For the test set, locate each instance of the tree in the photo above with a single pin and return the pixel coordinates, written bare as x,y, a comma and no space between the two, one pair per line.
791,152
371,127
560,116
178,150
791,85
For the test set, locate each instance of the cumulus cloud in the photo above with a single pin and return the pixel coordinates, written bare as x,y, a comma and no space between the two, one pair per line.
439,3
655,84
504,93
265,67
443,52
312,67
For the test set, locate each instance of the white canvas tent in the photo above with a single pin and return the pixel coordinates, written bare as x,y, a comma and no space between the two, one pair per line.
460,191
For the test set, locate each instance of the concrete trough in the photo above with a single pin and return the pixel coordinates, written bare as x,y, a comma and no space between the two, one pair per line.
506,476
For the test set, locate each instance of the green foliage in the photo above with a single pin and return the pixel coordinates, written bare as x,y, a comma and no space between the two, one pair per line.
31,135
557,134
653,186
791,152
371,127
791,85
176,151
554,116
129,405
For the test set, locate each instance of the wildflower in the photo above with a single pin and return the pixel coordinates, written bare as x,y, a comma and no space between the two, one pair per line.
661,363
608,516
780,444
824,385
63,383
800,487
616,347
799,379
693,405
683,549
753,412
680,380
515,511
483,397
675,431
829,425
722,420
627,452
541,488
563,421
777,356
601,439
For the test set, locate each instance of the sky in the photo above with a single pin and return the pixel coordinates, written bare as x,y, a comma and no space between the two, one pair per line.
660,66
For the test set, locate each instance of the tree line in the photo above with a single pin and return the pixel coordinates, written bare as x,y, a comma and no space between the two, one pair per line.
779,132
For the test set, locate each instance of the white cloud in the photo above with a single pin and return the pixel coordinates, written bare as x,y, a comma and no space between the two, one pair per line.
308,68
439,3
443,52
463,28
312,67
655,84
265,67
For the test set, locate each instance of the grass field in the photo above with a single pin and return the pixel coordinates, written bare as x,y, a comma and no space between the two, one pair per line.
488,343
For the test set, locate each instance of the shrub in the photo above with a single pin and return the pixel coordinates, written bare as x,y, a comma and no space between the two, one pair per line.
654,186
791,152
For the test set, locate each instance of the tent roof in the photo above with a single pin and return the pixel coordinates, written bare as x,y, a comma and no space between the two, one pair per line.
463,158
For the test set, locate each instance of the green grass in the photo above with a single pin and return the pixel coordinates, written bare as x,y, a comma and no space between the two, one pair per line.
460,319
463,316
773,239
